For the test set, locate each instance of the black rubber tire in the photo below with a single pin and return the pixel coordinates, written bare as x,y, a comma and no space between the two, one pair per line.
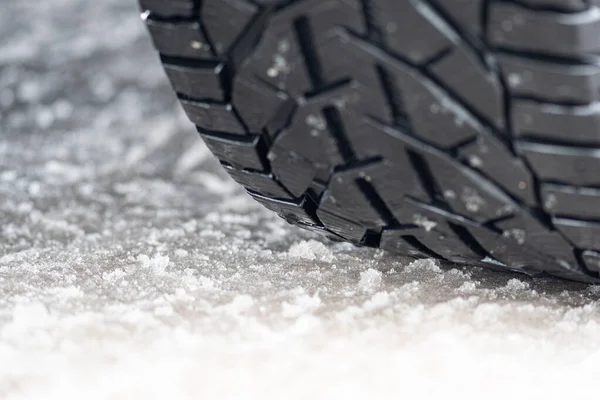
465,130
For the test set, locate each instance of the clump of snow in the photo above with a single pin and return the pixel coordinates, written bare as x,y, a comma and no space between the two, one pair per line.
378,301
467,288
181,253
311,250
158,263
113,275
518,235
424,222
515,285
206,282
490,260
370,280
301,304
27,315
472,199
240,304
429,265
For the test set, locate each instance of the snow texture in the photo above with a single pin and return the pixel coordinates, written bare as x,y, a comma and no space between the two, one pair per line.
131,267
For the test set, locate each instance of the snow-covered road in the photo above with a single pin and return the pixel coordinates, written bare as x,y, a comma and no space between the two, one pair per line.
131,267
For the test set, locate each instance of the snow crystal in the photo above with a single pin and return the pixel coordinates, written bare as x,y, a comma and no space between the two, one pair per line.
113,275
301,304
424,222
467,288
518,235
472,199
379,300
158,262
515,80
240,304
311,250
490,260
27,315
424,265
181,253
515,285
370,280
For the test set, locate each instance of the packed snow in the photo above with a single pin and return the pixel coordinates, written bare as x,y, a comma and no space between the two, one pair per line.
131,266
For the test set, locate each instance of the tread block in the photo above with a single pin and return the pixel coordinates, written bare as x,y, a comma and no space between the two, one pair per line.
258,182
195,81
310,137
345,199
314,143
561,164
449,246
430,109
502,248
388,178
393,240
520,28
584,235
487,155
324,15
478,198
571,201
224,20
182,39
475,197
526,230
443,233
464,73
447,240
427,106
278,60
290,210
347,229
509,252
280,57
465,13
395,173
295,172
258,104
414,19
371,188
568,124
552,82
168,9
245,152
213,116
591,259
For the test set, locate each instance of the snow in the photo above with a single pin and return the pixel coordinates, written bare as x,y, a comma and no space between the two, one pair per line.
370,280
132,266
311,250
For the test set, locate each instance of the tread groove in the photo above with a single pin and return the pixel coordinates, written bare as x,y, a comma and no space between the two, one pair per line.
306,41
374,32
376,201
427,179
336,127
393,97
414,242
469,240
